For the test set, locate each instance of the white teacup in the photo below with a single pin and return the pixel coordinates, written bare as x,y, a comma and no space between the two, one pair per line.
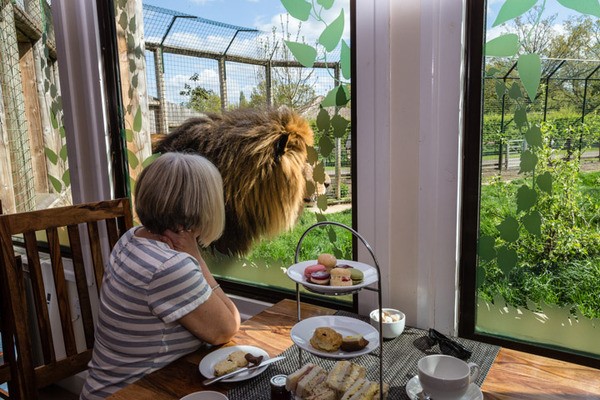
445,377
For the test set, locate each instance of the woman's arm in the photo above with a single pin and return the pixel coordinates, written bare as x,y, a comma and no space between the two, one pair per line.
217,319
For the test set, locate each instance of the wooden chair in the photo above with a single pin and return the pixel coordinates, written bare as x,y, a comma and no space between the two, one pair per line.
92,229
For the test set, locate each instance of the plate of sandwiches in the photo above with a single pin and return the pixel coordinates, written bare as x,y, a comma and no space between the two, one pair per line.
345,381
336,337
228,359
328,275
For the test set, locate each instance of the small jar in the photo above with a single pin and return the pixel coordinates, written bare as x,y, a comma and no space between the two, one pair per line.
278,390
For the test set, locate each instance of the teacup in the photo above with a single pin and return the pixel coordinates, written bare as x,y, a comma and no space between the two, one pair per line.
445,377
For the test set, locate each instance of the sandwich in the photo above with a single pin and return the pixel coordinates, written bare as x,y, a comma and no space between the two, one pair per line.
364,389
309,382
344,374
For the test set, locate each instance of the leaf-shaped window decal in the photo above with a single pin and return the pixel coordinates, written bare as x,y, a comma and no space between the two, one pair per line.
534,136
500,88
503,46
533,223
345,60
526,198
485,248
312,155
512,9
528,161
521,117
530,72
509,229
298,9
319,173
66,178
339,124
322,202
51,155
137,120
507,259
335,97
325,146
331,35
305,54
55,183
132,158
515,91
591,7
323,120
326,4
544,182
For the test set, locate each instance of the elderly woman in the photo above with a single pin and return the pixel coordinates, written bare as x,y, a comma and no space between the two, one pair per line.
159,300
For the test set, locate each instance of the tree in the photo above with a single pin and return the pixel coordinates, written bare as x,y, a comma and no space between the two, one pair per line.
199,98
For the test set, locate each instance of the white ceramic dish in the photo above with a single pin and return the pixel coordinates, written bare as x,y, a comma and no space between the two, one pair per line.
346,326
206,395
413,388
207,365
391,330
296,273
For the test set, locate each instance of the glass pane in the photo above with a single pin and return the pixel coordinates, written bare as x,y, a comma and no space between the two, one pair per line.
191,59
539,260
34,166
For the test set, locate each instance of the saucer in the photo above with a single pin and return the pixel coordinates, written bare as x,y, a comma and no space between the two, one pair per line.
413,388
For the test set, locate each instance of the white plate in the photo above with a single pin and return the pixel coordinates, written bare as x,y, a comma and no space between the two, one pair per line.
346,326
296,273
207,364
413,388
205,395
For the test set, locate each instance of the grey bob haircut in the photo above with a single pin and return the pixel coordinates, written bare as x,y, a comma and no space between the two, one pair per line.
181,191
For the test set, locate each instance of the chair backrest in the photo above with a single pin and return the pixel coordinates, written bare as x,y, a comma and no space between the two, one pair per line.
92,230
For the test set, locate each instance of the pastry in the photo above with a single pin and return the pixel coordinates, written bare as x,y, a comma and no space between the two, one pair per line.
354,343
356,275
224,367
326,339
320,277
239,358
328,260
313,268
341,277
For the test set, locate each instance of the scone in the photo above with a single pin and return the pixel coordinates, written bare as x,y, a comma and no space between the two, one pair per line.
238,357
326,339
341,277
224,367
354,343
328,260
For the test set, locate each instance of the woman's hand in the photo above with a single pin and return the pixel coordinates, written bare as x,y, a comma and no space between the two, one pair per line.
183,240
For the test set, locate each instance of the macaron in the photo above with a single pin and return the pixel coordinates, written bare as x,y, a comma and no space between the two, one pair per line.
320,277
313,268
356,275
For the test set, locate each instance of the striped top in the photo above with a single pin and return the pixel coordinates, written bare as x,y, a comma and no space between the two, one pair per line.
146,288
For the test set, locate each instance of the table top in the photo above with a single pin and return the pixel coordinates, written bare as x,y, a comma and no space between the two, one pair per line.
513,375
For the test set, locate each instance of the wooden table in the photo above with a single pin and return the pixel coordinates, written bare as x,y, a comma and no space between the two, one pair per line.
514,374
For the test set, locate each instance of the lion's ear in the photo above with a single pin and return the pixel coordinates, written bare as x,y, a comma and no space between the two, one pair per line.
280,146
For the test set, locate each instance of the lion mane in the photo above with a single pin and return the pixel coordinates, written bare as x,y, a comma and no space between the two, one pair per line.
262,157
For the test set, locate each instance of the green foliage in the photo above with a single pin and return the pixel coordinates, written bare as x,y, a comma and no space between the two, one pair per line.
199,98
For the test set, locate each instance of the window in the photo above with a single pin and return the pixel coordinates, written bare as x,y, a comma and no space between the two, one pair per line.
530,263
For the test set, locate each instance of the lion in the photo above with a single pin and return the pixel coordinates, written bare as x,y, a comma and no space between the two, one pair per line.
262,157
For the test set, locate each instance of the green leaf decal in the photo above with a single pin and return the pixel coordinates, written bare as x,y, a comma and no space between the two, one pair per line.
480,276
530,72
305,54
526,198
500,89
312,155
544,182
486,249
55,183
132,24
332,235
129,135
319,173
51,155
533,223
515,91
509,229
325,146
53,120
137,120
132,158
512,9
311,188
333,33
298,9
345,60
63,153
338,96
521,117
322,202
323,120
339,124
590,7
503,46
62,132
507,259
528,161
326,4
66,178
123,21
534,136
320,217
150,160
